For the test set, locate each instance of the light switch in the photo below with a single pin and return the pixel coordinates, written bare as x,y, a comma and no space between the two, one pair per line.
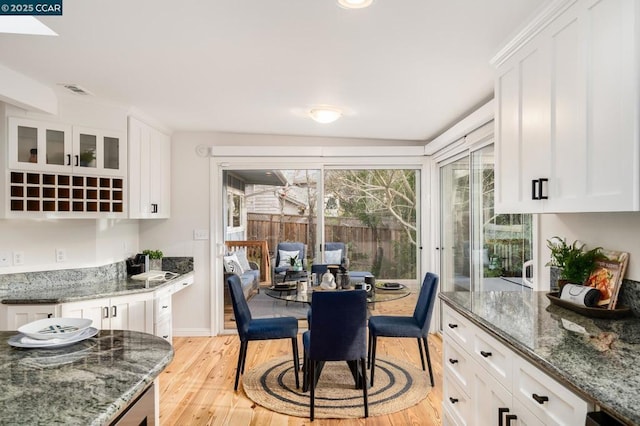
5,258
200,234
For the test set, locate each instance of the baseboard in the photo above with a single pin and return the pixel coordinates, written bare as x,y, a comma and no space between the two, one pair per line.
192,332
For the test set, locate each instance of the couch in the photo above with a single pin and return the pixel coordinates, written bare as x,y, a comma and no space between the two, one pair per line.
235,263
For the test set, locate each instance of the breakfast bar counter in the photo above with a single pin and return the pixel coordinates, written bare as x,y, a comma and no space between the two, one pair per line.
598,359
91,382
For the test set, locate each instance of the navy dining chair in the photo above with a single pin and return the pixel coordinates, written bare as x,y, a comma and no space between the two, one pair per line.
259,329
403,326
337,332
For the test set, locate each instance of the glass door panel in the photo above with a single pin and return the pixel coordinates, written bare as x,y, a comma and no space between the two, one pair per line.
27,144
455,246
111,153
55,147
88,149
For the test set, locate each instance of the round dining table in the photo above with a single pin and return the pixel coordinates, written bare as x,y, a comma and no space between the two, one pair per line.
291,293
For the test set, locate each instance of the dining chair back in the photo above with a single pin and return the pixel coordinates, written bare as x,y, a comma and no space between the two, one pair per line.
337,332
259,329
416,326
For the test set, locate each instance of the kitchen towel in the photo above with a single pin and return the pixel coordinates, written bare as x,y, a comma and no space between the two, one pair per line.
580,295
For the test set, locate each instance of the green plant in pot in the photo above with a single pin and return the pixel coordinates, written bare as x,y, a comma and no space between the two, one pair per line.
155,259
574,262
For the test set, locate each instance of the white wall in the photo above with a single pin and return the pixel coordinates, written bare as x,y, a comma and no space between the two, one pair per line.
615,231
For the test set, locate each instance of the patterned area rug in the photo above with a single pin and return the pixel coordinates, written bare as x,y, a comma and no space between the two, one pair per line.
399,385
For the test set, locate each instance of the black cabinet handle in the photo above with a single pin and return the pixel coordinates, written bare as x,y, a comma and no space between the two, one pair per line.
510,417
485,354
77,163
453,400
68,159
114,311
540,399
541,189
105,312
49,315
534,189
453,361
501,411
154,208
165,336
452,326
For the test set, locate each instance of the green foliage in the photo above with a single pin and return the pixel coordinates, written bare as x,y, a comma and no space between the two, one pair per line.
153,254
575,263
293,260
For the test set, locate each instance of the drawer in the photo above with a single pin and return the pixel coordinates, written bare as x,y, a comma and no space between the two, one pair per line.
456,402
545,397
495,357
183,283
162,307
164,329
456,363
457,327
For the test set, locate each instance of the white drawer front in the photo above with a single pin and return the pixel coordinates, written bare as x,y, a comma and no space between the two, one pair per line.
494,357
456,363
183,283
457,327
162,307
456,402
545,397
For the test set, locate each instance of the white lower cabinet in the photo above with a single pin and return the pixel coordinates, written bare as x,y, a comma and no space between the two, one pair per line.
14,316
131,312
485,383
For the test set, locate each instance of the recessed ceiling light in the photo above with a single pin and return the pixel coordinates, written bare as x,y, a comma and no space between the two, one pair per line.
24,25
325,114
355,4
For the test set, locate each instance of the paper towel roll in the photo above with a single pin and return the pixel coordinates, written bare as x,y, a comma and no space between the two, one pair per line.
580,295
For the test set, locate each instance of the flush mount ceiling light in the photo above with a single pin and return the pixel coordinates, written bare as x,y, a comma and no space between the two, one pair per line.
355,4
325,114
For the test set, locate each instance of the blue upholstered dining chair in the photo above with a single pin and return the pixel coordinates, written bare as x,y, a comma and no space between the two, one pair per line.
400,326
259,329
337,332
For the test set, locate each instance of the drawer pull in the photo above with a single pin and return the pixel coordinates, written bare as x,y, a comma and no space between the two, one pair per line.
501,411
453,400
510,417
452,326
485,354
164,306
540,399
453,361
165,336
185,283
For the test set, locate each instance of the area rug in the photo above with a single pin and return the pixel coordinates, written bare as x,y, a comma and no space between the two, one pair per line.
263,306
398,385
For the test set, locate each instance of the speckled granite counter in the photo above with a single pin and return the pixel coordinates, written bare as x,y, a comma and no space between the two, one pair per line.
597,358
69,285
87,383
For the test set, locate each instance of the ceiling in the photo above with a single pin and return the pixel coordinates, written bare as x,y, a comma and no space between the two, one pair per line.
401,69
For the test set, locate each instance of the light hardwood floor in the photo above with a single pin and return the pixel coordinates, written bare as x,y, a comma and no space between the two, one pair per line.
197,387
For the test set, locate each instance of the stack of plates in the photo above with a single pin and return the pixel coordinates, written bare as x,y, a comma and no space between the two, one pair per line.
53,333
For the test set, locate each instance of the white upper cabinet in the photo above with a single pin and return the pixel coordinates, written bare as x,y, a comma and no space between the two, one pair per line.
567,111
149,172
54,147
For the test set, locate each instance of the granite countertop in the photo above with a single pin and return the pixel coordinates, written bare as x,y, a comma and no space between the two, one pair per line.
53,287
87,383
597,358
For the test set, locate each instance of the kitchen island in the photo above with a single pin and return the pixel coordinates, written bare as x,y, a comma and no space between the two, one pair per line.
598,360
92,382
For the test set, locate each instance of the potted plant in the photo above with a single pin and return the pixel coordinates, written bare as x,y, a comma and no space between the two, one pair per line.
575,264
295,263
155,259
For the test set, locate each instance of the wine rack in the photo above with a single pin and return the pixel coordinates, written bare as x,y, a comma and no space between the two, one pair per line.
64,193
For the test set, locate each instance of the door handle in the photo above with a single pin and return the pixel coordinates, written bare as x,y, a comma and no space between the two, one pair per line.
68,159
452,326
540,399
485,354
77,162
453,361
509,418
534,189
154,208
105,312
453,400
501,411
541,195
114,311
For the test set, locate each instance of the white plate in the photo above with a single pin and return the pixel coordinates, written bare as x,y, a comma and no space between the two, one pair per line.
22,341
55,328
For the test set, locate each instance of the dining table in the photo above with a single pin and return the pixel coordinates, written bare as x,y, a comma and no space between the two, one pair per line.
292,292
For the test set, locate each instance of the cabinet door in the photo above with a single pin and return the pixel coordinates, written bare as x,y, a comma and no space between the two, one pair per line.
16,316
488,398
98,152
160,175
38,145
96,310
131,313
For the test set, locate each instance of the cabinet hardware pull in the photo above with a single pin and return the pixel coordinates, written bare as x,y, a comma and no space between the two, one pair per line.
165,336
540,189
453,400
510,417
485,354
164,306
49,315
185,283
77,163
453,325
501,411
534,189
154,208
114,311
540,399
453,361
105,312
68,159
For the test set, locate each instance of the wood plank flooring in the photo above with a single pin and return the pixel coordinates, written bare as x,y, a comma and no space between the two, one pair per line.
197,387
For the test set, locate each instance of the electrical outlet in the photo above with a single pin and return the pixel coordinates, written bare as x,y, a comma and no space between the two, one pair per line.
200,234
61,255
5,258
18,258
